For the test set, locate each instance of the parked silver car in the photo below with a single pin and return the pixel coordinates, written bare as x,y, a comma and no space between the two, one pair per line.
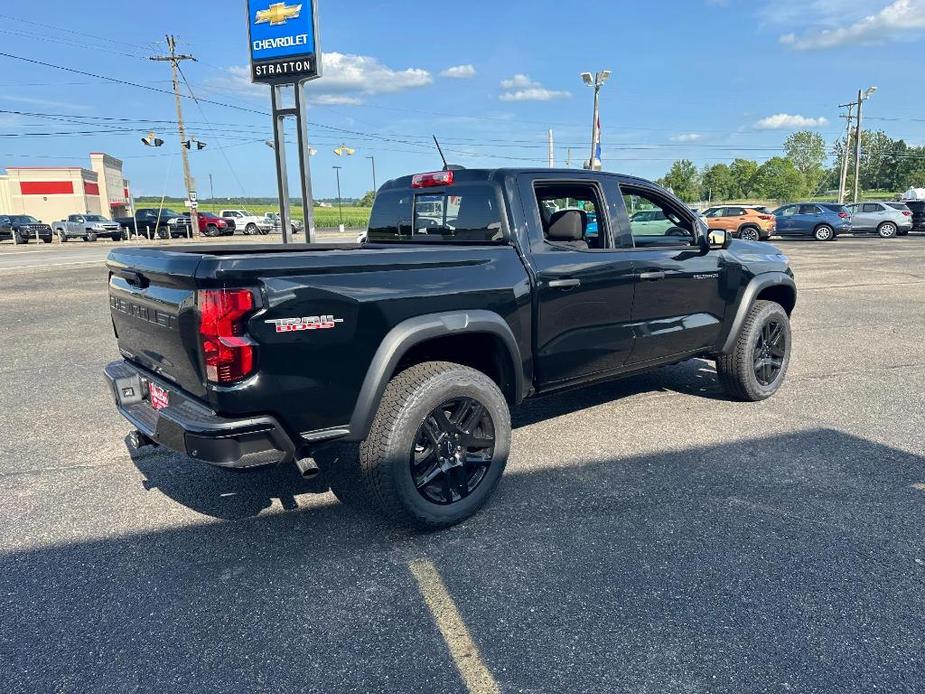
888,219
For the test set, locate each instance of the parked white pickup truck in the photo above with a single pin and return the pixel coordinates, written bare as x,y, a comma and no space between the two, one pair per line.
88,227
246,222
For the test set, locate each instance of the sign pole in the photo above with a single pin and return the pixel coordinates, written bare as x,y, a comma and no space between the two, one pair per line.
305,168
284,52
282,177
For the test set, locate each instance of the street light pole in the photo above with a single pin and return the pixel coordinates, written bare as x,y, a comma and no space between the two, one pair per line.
843,181
340,208
596,81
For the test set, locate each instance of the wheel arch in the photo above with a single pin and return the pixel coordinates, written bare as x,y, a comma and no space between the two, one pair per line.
778,287
480,339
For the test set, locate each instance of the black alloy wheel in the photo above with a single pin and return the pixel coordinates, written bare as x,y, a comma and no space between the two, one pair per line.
749,234
770,350
453,451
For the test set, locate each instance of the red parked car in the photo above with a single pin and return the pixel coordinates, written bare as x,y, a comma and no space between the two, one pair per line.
211,225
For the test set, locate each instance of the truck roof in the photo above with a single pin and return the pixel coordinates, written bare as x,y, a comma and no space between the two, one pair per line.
476,175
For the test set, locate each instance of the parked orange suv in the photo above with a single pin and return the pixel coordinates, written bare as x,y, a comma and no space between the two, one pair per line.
747,222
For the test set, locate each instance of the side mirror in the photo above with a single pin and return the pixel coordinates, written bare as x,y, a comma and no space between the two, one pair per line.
719,239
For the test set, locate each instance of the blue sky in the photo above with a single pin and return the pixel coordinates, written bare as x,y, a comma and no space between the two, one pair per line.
707,80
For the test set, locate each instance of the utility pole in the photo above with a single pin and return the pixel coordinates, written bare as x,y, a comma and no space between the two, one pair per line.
375,188
568,159
846,153
597,81
174,59
212,193
340,207
551,149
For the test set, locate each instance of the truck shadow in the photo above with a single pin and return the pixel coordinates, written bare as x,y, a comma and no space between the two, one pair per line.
795,558
233,495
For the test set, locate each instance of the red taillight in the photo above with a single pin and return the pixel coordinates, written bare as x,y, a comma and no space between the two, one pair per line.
906,213
843,215
429,180
765,217
226,349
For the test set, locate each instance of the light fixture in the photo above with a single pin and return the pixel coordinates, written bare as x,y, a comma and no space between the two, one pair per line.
588,78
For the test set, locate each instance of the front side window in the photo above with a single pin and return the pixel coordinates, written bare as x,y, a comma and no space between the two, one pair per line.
655,222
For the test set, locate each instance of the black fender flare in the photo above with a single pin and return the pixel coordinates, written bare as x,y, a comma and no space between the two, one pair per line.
749,296
413,331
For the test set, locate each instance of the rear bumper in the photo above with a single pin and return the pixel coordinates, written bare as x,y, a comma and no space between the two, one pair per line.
191,428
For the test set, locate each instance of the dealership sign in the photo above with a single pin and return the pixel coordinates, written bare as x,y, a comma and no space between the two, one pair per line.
283,41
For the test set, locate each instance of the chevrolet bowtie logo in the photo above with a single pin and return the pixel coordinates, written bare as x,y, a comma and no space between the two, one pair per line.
278,13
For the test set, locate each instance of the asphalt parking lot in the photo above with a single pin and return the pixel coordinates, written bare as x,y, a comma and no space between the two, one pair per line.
649,536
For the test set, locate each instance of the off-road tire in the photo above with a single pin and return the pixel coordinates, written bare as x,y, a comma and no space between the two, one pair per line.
212,231
736,370
385,454
250,229
90,236
823,232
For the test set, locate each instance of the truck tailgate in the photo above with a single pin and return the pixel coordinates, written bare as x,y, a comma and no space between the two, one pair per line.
152,299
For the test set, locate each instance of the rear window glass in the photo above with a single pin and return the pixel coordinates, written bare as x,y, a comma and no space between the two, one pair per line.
455,215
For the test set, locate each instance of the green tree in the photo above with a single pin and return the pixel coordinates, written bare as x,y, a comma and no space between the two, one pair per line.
718,183
368,199
806,150
778,179
684,180
743,175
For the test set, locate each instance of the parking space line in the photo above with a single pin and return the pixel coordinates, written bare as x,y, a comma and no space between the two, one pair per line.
465,654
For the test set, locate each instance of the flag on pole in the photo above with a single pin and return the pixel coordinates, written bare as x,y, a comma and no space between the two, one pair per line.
597,152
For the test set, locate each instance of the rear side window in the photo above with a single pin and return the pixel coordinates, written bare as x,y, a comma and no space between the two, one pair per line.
898,206
458,215
809,209
871,207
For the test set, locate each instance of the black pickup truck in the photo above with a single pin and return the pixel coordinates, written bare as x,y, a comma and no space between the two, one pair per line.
475,290
151,221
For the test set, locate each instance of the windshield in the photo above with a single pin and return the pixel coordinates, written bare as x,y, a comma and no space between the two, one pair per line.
457,215
169,213
23,219
95,218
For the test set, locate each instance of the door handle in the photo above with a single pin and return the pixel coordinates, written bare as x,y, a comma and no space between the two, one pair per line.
564,284
651,276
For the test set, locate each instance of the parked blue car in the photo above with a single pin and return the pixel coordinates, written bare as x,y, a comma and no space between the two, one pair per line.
823,221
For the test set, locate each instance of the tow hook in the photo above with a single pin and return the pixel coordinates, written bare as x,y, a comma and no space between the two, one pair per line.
308,468
137,440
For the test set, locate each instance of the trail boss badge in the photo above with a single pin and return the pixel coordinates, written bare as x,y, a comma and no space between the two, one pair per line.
294,325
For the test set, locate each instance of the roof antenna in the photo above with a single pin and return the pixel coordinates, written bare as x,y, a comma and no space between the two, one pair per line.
446,167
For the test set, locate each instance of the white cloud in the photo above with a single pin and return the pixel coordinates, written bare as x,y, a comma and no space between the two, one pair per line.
687,137
521,88
348,79
459,72
786,121
897,20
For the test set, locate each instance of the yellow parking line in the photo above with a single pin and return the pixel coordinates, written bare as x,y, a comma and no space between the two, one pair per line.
465,653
